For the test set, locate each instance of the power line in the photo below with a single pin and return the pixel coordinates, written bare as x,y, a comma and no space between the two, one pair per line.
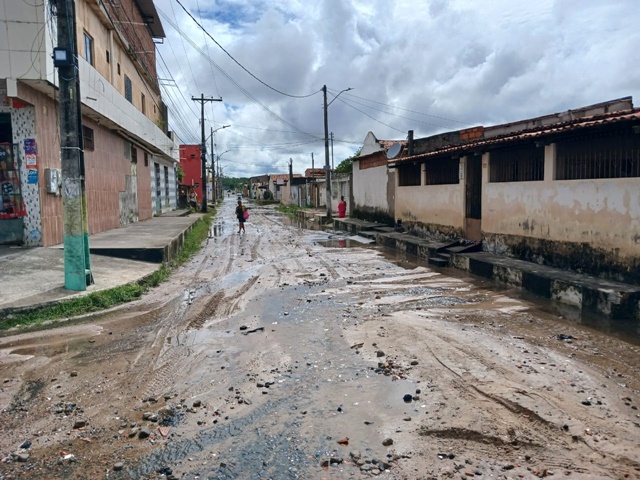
230,78
405,109
371,117
238,63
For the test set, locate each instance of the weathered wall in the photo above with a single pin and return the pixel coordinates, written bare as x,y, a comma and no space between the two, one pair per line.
433,209
370,188
587,225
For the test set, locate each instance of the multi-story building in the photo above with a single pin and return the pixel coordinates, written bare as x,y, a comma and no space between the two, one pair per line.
128,154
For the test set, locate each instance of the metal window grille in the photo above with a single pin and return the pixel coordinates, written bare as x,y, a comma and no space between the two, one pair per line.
442,172
521,163
409,175
607,154
128,89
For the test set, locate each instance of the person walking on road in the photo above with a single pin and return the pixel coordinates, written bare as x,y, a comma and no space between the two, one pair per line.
241,214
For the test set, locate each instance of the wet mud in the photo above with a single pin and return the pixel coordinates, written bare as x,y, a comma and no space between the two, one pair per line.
292,353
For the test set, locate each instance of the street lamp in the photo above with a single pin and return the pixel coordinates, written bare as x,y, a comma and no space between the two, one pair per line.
213,169
326,145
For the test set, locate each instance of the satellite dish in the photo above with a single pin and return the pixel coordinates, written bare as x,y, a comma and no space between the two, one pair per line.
394,150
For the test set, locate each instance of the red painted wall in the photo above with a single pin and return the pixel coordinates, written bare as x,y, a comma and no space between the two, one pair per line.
192,167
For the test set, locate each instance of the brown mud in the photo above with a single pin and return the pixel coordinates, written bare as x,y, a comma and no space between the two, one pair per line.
280,354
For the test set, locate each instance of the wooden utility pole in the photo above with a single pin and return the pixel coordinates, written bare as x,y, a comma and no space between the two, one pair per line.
203,147
77,266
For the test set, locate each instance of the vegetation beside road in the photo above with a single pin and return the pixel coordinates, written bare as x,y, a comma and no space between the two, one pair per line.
103,299
289,210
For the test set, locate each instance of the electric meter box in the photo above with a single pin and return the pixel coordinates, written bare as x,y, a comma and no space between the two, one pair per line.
52,180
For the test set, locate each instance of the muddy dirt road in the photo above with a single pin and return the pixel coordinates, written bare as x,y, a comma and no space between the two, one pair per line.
280,355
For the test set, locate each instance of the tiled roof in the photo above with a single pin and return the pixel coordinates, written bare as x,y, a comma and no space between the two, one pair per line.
532,133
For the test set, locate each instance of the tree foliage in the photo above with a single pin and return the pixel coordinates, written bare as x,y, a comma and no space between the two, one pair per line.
346,165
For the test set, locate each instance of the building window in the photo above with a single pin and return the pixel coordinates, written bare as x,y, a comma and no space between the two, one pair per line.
118,69
88,48
143,106
128,89
442,172
521,163
134,154
410,175
108,56
87,138
146,159
127,149
612,154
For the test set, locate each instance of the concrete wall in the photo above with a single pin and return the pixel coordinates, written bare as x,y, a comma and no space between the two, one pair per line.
431,209
586,225
370,189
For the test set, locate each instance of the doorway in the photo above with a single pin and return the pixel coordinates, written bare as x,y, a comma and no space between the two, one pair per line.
473,198
11,203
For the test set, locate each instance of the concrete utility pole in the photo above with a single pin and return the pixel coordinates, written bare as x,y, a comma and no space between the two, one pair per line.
213,165
313,165
77,266
326,145
203,147
327,177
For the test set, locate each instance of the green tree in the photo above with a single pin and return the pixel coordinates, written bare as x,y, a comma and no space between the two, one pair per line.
346,165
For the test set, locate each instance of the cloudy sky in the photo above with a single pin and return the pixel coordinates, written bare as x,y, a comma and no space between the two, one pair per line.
422,65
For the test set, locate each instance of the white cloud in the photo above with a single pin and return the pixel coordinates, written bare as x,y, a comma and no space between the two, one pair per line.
468,61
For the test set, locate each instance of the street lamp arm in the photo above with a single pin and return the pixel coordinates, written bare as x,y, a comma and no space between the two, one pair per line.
342,91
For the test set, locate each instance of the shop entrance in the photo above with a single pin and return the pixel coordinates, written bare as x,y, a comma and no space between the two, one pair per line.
11,203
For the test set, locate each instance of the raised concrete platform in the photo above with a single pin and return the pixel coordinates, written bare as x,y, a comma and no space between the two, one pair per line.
354,225
155,240
613,300
35,276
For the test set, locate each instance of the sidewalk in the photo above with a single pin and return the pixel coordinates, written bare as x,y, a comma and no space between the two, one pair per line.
607,298
35,276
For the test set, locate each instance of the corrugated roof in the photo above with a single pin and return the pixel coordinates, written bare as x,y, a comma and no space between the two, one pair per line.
578,124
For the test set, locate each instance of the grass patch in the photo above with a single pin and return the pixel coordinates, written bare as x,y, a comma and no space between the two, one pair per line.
104,299
289,210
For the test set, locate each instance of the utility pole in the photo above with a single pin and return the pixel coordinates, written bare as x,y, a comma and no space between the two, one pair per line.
332,165
77,266
203,147
312,162
213,171
326,152
290,179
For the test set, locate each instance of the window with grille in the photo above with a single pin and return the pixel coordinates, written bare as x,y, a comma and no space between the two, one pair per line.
410,175
442,172
609,154
87,139
128,89
520,163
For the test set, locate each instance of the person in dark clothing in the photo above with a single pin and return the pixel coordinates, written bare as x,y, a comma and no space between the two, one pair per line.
240,212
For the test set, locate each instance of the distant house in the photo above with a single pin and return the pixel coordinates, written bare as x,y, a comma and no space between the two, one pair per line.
191,162
560,190
373,184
